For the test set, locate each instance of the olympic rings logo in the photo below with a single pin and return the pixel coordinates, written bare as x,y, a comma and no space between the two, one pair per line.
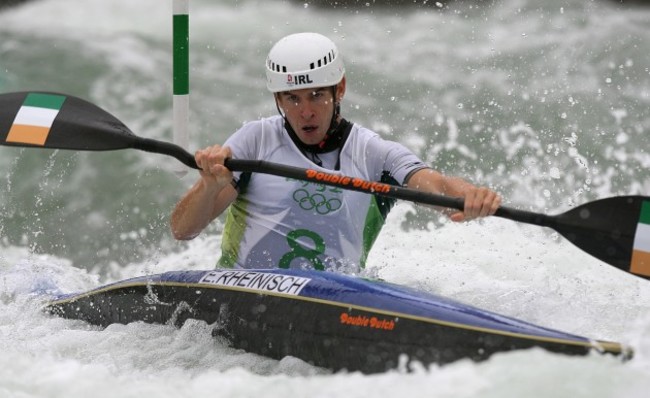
317,201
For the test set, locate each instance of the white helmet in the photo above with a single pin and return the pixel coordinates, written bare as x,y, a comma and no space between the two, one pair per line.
303,60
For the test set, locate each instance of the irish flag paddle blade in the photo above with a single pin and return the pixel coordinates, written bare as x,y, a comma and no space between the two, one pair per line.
641,252
61,121
53,120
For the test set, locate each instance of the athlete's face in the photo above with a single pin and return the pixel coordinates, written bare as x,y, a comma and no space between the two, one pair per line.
309,111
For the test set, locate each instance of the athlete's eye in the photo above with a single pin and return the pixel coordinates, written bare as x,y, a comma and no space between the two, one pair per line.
317,94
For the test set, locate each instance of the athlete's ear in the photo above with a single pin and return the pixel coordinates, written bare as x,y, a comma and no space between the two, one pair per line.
340,90
278,100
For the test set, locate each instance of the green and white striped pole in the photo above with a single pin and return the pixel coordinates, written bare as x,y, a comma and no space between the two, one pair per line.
181,72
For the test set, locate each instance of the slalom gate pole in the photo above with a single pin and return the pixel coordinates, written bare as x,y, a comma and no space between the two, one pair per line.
181,74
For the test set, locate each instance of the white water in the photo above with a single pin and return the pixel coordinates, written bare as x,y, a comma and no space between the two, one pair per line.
516,271
469,73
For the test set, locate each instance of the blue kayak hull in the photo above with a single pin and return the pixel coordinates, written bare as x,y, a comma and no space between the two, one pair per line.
330,320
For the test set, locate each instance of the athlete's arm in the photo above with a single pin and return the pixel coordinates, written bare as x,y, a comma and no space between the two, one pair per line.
479,201
209,196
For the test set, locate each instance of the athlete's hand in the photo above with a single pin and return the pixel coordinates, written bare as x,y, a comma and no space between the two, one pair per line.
211,160
479,202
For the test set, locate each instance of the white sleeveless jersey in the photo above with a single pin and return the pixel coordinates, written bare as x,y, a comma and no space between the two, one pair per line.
280,222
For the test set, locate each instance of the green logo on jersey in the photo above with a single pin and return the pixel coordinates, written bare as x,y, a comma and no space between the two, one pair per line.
318,198
299,251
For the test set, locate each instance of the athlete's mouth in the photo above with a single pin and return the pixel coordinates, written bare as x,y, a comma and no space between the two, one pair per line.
309,129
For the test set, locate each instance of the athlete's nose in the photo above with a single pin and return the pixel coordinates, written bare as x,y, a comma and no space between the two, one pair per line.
306,110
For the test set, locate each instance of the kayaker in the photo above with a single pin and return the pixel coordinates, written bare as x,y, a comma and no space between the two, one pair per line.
275,222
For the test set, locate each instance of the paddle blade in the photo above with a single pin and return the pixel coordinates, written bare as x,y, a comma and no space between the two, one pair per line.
59,121
615,230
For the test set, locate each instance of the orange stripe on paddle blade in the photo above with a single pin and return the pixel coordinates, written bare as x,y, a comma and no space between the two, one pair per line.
23,134
640,263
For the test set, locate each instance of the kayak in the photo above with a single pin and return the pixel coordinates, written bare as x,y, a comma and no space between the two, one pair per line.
330,320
